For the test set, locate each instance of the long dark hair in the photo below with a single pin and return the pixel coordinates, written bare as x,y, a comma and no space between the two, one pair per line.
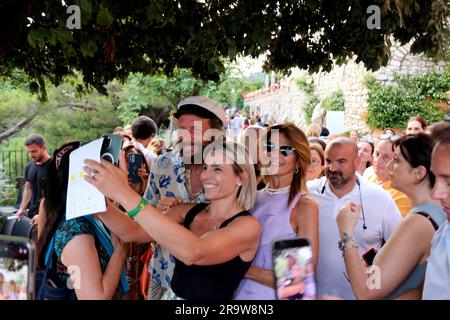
417,149
55,191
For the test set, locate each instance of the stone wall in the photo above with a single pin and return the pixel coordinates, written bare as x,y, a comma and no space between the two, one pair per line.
283,101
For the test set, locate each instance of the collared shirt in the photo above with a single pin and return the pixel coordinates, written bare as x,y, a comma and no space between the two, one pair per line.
167,179
381,219
437,277
401,200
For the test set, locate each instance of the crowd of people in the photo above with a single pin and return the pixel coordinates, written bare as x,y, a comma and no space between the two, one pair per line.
202,218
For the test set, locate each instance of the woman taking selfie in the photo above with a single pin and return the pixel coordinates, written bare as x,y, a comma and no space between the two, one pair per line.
213,244
400,264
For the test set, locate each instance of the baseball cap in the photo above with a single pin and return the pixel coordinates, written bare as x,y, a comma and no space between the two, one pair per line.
202,106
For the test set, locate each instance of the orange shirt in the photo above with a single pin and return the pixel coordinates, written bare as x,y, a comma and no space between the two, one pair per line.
401,200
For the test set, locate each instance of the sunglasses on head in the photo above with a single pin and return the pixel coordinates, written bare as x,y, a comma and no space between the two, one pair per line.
389,136
284,150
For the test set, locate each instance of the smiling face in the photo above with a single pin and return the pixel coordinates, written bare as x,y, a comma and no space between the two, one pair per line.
383,155
441,169
414,127
191,129
218,177
281,164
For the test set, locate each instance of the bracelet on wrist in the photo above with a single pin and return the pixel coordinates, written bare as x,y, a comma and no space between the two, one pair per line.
141,205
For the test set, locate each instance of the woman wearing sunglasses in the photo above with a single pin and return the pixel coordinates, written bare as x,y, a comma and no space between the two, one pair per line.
284,208
399,267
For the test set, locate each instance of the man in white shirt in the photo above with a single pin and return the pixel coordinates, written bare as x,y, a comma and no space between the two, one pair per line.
143,130
379,216
437,277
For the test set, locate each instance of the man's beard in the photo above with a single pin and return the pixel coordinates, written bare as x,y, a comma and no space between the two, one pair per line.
337,179
192,157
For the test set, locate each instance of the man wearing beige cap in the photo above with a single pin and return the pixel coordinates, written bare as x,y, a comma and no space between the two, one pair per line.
175,175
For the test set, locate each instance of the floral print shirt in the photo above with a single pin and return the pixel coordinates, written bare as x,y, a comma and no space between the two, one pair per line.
167,179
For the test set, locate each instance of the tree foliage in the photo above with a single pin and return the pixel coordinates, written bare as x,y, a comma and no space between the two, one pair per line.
391,106
161,36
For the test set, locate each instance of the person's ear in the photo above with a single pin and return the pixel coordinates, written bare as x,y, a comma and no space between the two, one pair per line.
419,173
243,178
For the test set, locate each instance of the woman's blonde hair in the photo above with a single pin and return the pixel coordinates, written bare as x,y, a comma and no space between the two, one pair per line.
313,130
238,153
302,150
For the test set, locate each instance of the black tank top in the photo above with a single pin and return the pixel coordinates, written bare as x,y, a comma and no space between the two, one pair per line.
214,282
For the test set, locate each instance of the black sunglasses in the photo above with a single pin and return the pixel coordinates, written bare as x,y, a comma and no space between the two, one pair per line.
284,150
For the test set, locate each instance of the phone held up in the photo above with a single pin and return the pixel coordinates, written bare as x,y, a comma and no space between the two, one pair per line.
135,161
17,268
112,144
294,270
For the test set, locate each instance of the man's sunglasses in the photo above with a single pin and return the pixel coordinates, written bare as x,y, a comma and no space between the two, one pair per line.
284,150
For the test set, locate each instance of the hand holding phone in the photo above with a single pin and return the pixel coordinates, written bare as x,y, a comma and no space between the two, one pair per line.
294,270
17,268
135,161
112,144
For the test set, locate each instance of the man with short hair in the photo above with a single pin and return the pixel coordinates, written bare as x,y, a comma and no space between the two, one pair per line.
35,175
175,175
437,277
379,215
143,130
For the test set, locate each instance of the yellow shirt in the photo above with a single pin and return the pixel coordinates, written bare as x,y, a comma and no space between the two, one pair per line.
401,200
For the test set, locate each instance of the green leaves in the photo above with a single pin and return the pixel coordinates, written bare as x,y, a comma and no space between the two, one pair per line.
334,102
392,105
104,17
88,48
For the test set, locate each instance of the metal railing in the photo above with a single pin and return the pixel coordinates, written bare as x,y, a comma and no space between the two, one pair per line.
13,162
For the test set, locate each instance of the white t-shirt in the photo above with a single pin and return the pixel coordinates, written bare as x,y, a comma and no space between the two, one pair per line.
382,217
149,155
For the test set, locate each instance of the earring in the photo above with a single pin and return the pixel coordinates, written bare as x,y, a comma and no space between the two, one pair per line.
296,170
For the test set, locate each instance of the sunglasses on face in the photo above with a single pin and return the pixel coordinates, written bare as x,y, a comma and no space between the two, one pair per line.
284,150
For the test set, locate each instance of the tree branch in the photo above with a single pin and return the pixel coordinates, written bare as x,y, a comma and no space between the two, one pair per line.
78,106
17,127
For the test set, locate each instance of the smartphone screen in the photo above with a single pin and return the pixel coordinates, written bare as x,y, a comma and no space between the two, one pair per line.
135,161
294,270
16,268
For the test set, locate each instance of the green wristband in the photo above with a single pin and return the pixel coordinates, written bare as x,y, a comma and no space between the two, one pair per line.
142,204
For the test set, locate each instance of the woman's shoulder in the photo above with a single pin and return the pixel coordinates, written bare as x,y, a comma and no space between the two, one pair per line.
69,229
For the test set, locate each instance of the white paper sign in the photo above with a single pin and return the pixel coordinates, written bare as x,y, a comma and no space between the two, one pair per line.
83,198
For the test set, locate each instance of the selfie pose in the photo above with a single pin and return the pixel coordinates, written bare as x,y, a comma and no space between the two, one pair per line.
213,244
284,208
402,261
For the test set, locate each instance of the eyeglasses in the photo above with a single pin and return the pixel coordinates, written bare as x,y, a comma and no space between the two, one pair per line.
315,163
284,150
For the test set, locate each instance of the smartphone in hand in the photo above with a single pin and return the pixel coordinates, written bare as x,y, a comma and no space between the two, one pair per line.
294,270
135,161
112,144
17,268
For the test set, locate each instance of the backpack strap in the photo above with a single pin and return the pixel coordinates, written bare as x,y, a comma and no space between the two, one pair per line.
105,240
